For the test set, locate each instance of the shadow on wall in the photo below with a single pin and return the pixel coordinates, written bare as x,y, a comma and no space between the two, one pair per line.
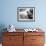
2,26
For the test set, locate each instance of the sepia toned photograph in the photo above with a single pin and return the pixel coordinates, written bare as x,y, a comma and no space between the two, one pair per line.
26,14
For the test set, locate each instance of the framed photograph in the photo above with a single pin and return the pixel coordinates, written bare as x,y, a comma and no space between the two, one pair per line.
26,14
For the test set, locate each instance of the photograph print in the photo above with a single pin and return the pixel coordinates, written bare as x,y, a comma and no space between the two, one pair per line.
26,14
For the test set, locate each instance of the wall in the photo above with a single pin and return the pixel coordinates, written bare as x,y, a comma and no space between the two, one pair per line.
8,15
